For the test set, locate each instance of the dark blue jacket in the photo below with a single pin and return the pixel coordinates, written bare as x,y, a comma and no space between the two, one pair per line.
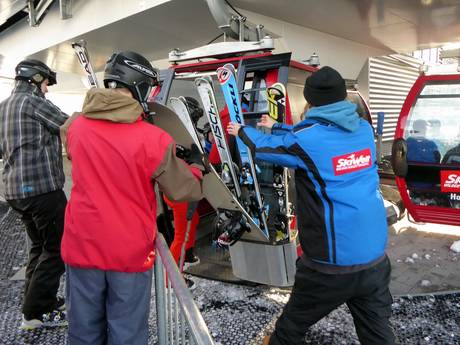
422,150
340,211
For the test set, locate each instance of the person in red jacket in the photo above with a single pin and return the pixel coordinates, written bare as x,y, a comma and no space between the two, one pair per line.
110,227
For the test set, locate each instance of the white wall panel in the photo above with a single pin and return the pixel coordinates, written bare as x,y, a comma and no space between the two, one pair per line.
389,80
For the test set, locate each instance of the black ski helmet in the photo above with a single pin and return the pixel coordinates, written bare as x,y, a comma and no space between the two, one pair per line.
132,71
206,130
35,71
194,108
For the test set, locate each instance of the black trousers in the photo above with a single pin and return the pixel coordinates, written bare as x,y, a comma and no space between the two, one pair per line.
316,294
43,216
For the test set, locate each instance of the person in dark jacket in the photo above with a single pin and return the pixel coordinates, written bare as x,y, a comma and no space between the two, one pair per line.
419,147
340,213
34,178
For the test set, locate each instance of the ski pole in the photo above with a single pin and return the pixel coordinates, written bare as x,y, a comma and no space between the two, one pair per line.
190,211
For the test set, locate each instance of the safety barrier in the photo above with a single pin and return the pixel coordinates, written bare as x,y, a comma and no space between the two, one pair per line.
178,319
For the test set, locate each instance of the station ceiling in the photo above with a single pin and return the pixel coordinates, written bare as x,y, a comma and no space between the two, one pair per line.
392,25
400,25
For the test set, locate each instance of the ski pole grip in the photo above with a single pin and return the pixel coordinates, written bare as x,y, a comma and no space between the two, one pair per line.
191,209
380,120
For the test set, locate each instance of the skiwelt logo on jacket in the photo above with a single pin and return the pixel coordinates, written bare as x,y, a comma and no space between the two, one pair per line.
450,181
351,162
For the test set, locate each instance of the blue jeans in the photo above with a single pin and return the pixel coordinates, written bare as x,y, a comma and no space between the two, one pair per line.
106,307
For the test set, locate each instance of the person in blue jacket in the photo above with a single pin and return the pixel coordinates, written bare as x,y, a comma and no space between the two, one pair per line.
340,213
420,148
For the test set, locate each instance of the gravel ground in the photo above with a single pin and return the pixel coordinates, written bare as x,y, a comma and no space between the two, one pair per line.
234,314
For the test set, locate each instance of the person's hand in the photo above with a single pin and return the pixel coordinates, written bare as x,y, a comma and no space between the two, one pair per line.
64,129
211,138
233,128
266,121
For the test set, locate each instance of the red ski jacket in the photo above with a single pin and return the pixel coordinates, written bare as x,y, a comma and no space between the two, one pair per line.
110,220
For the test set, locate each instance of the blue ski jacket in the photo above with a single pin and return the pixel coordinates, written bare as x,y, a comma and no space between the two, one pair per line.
340,211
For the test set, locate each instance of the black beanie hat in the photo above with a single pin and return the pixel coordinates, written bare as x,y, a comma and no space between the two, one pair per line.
324,86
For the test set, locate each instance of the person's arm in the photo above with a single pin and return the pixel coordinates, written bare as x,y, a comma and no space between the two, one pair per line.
64,129
49,115
281,128
175,179
276,127
277,149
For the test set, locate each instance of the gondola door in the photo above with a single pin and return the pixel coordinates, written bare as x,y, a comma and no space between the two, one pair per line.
426,150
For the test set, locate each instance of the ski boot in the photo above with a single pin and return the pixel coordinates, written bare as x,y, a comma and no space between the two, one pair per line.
235,226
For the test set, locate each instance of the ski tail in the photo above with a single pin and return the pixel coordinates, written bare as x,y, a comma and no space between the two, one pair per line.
85,62
206,92
227,80
180,108
276,96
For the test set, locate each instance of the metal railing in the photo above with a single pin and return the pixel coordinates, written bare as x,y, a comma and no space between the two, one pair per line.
178,319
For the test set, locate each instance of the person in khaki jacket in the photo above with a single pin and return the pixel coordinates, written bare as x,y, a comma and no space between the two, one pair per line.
110,220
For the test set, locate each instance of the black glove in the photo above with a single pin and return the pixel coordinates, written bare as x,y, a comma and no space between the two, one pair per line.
195,156
192,156
182,152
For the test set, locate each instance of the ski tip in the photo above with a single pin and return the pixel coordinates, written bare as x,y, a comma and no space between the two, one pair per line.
80,43
223,74
203,80
230,66
176,101
278,86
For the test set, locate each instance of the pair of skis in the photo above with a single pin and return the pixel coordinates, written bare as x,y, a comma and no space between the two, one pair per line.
249,192
206,92
179,105
83,57
248,173
251,197
276,97
230,224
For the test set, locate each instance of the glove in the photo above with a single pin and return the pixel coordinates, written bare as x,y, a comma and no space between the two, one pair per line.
182,152
195,156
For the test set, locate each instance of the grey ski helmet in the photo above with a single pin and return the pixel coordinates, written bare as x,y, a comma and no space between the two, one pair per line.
132,71
194,108
35,71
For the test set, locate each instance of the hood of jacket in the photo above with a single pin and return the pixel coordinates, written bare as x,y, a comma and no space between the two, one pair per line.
343,114
110,105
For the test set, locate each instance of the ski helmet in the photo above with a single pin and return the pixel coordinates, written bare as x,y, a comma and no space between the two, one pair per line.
206,130
35,71
132,71
194,108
